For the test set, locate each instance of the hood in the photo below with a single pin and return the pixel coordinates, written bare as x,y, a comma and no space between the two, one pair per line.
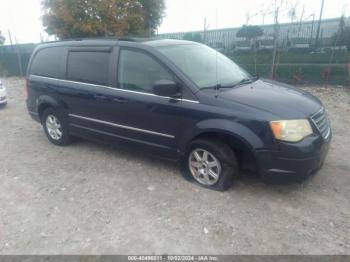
282,100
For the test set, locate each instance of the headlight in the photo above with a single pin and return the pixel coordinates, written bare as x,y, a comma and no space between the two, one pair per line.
291,130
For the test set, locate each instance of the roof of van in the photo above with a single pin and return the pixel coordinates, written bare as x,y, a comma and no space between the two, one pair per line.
114,41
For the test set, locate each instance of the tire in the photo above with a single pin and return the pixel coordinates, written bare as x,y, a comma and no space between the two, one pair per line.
62,137
217,150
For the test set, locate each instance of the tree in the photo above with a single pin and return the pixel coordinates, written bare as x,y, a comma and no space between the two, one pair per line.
196,37
96,18
153,13
342,37
276,32
250,32
319,25
2,39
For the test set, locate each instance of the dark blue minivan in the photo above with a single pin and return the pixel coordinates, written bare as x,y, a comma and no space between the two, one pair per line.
180,100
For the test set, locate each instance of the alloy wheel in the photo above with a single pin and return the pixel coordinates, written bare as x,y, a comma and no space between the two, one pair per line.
204,167
54,127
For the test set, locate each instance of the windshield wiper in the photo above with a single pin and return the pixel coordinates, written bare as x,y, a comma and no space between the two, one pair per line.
244,81
218,86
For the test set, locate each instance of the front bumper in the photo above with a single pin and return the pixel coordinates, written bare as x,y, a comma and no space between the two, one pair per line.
293,162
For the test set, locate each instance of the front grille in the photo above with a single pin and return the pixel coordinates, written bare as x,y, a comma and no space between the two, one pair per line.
321,121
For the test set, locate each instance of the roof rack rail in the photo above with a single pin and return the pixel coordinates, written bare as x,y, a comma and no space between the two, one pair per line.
126,38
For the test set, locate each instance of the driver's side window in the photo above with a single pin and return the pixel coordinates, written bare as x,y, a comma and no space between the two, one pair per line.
138,71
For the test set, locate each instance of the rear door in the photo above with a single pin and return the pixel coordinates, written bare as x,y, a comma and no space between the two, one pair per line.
87,79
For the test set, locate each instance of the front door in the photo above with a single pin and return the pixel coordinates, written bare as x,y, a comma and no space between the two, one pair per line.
136,111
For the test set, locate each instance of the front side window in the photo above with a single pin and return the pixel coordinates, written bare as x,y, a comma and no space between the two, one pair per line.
204,65
88,67
138,71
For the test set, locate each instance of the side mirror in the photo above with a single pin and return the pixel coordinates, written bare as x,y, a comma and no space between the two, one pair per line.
166,88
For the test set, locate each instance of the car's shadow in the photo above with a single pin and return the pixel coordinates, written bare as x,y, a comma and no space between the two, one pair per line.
247,180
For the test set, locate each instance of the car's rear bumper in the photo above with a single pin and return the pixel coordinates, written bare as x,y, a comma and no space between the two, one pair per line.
3,97
32,112
294,162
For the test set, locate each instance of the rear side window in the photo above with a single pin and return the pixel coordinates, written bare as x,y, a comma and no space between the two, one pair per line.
88,67
49,62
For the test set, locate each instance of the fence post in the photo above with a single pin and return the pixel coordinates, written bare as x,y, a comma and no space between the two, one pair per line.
19,60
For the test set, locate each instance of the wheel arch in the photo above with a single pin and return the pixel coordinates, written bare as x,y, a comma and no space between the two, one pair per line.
44,102
240,138
223,127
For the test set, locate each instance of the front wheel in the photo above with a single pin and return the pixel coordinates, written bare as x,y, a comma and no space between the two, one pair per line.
55,126
210,163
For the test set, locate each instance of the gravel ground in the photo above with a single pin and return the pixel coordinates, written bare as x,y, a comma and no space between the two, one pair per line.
90,198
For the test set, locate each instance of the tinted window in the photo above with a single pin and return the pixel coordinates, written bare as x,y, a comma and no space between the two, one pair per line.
88,67
138,71
49,62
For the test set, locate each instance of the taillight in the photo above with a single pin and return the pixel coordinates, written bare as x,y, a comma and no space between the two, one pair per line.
26,88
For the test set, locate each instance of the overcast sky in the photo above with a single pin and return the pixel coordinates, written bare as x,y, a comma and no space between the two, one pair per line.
23,17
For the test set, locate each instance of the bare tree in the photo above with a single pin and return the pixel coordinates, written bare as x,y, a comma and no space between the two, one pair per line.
301,20
276,30
293,11
319,25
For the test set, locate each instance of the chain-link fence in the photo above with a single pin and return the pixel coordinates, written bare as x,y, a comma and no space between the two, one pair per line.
14,59
296,66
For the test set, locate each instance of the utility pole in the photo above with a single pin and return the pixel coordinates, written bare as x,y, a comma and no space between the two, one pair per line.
319,25
19,58
312,29
205,29
10,37
275,40
301,21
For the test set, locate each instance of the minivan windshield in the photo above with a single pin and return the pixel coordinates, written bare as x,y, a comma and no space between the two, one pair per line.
204,65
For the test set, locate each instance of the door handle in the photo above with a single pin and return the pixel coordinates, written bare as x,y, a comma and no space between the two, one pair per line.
120,100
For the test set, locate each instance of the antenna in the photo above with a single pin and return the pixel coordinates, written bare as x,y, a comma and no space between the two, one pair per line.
216,58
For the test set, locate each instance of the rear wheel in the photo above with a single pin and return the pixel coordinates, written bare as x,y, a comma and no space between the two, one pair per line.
55,126
210,163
